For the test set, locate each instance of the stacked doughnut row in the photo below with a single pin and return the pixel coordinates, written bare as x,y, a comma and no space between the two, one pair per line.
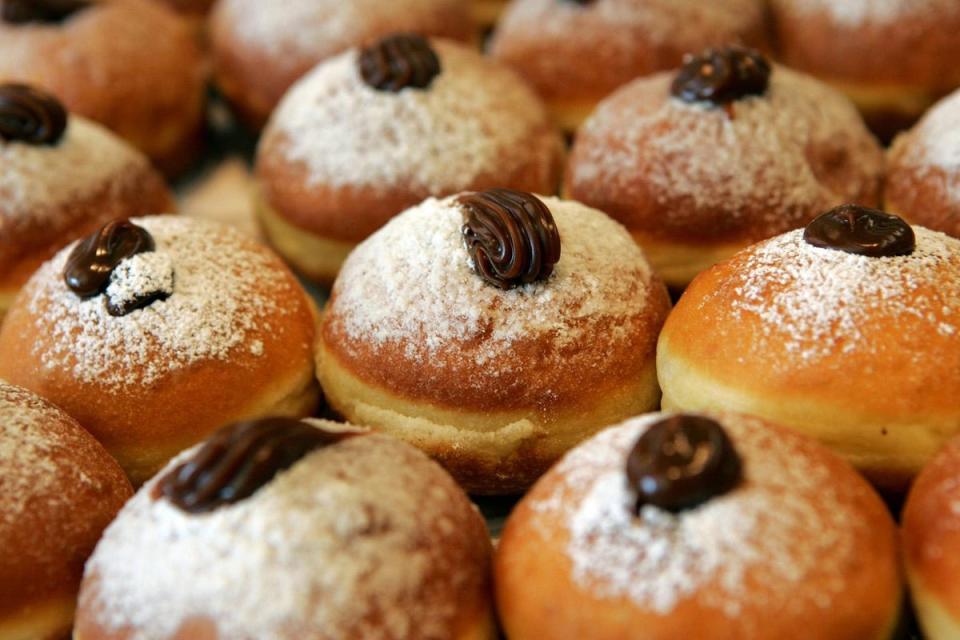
700,336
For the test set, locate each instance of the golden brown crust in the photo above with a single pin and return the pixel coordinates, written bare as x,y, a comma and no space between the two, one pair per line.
139,190
688,179
255,75
424,526
931,535
921,175
77,490
914,47
143,425
591,368
588,51
350,213
882,392
539,371
132,65
539,597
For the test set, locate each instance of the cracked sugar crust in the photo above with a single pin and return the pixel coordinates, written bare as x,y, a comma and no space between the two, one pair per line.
225,288
476,119
367,538
688,171
749,548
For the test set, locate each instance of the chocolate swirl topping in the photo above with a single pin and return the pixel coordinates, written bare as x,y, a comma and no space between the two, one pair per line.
23,11
91,263
30,115
399,62
511,237
863,231
240,459
681,462
721,76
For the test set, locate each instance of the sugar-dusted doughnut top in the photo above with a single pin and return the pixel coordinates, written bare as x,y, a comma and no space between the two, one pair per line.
699,173
58,490
228,295
923,178
801,537
785,318
569,49
408,300
475,121
366,538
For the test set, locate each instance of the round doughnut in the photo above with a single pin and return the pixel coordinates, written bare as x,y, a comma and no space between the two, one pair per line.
58,490
225,332
695,181
341,157
494,383
893,57
54,191
860,352
575,53
356,536
923,172
800,546
931,535
131,65
261,48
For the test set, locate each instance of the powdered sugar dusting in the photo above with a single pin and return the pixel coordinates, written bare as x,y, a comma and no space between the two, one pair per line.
933,145
37,180
815,301
758,159
341,545
140,275
217,300
761,529
412,282
305,27
853,13
686,22
29,446
469,123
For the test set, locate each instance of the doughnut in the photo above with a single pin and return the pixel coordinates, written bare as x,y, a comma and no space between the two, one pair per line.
293,531
923,173
846,330
63,177
700,163
132,65
894,58
153,332
358,140
494,330
710,526
58,490
261,48
576,52
931,535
